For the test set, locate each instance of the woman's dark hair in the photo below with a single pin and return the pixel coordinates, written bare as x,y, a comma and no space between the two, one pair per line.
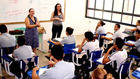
55,11
102,23
89,35
30,9
57,52
69,30
119,42
21,40
3,28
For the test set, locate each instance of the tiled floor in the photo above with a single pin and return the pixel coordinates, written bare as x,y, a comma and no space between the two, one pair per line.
43,61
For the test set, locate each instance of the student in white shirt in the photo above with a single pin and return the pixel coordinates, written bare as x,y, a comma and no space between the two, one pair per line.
6,40
137,26
116,34
120,55
91,43
136,49
67,40
23,51
99,28
60,69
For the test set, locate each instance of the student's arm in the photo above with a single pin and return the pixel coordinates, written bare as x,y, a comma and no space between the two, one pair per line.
80,47
107,38
34,75
109,33
52,17
27,23
106,59
55,43
135,29
129,44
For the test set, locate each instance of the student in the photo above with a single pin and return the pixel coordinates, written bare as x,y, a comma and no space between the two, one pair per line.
117,33
91,43
137,26
6,40
23,51
99,28
100,73
120,55
135,51
60,70
67,40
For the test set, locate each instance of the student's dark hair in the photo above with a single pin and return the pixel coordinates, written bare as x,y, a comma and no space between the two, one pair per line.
21,40
3,28
55,10
118,25
138,21
138,31
119,42
89,35
30,9
69,30
57,52
102,23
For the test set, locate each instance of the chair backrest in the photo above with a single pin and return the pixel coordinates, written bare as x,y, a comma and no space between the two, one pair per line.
24,63
125,69
68,48
96,54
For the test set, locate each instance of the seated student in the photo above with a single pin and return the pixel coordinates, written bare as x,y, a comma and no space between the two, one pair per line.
117,33
132,38
100,73
120,55
91,43
60,70
6,40
67,40
23,51
99,28
135,51
138,26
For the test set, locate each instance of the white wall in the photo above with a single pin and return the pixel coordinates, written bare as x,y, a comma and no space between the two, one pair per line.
75,17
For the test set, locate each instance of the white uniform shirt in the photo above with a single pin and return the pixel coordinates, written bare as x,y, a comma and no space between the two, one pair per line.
91,46
101,30
68,40
61,70
23,52
7,40
137,44
119,57
118,33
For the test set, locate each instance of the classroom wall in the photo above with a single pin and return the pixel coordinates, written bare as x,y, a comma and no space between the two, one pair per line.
75,17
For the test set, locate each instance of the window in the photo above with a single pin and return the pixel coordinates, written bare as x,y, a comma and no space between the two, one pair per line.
125,12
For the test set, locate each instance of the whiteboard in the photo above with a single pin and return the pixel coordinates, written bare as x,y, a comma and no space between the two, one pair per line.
17,10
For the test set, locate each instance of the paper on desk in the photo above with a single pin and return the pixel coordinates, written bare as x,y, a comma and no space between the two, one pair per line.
138,69
10,55
130,42
109,36
58,39
100,60
75,49
42,70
